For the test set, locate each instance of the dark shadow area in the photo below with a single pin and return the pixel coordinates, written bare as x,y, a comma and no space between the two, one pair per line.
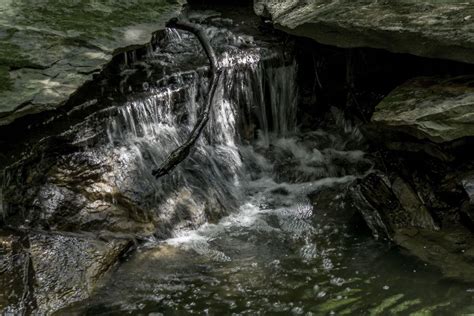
357,79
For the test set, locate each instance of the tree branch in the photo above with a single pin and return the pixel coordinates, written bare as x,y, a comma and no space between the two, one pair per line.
180,153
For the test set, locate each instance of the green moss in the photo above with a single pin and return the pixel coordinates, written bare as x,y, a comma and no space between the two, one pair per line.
5,80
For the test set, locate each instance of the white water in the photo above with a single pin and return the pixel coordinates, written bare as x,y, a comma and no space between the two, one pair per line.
208,184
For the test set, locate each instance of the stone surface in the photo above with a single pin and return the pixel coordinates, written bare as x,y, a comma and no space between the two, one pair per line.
434,28
450,250
68,267
15,296
41,272
440,110
50,48
389,205
468,207
393,210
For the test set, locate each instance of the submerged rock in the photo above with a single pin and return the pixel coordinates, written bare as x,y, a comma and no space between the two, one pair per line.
50,49
450,250
438,110
439,29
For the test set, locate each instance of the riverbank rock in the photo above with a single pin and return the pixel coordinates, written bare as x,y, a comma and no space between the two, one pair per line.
388,205
450,250
393,209
50,49
67,267
436,29
433,110
43,271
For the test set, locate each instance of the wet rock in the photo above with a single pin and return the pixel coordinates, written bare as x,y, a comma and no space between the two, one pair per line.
334,200
45,58
439,29
450,250
389,205
16,296
68,267
73,192
468,207
433,110
40,272
468,185
373,198
393,209
420,216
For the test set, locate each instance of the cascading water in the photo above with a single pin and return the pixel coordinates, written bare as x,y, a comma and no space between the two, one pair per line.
254,221
149,128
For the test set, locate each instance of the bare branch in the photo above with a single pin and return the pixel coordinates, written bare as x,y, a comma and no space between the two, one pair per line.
180,153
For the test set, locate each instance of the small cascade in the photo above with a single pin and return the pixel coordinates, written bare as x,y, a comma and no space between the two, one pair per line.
252,95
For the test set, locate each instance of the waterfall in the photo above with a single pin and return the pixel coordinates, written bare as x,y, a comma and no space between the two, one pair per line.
257,92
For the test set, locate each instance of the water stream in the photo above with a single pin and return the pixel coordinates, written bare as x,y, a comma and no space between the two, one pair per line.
289,243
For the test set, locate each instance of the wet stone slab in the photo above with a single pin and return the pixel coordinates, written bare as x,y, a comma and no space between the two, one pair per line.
51,48
436,29
44,271
439,110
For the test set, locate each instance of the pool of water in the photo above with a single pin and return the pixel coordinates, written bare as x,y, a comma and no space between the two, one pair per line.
292,248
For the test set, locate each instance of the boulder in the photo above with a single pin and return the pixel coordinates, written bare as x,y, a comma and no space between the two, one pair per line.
389,205
67,267
51,48
41,272
392,209
436,110
436,29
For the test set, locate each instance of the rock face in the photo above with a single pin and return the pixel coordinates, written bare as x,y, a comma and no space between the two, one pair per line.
44,271
438,29
440,110
51,48
393,209
68,267
389,205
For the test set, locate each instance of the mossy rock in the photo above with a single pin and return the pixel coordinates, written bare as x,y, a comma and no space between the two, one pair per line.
50,48
440,110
